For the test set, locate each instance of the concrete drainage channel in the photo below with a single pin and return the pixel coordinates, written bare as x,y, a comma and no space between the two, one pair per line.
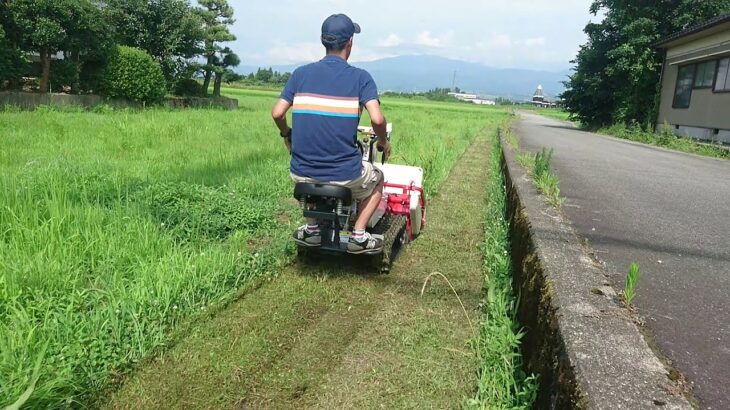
582,342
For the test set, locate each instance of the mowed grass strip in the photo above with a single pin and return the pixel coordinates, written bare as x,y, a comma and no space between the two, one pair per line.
119,225
328,335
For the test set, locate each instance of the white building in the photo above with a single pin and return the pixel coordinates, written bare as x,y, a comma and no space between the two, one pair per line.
473,98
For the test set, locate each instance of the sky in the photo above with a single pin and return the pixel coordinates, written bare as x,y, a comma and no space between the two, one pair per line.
537,34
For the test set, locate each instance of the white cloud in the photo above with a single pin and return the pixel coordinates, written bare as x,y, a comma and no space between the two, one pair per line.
426,39
392,41
294,53
535,42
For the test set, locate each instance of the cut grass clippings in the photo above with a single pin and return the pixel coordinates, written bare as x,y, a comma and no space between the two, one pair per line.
503,384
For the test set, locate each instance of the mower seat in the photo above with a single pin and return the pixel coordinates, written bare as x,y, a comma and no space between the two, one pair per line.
323,191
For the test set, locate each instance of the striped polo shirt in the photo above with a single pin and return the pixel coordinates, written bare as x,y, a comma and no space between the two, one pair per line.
327,97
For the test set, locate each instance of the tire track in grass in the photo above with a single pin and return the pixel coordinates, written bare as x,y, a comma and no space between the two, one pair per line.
328,336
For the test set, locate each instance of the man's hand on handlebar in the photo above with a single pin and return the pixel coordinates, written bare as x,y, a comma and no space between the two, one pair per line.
385,149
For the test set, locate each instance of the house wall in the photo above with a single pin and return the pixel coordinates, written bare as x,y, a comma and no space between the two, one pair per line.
710,44
708,111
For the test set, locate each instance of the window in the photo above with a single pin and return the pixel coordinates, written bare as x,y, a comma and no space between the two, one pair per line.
705,74
683,92
722,82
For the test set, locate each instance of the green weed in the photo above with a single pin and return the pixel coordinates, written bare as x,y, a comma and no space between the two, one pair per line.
542,163
503,382
632,278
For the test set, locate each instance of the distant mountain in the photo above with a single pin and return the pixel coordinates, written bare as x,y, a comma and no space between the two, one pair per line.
424,72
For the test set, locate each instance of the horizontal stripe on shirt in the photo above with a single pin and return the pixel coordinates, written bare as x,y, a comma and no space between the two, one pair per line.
329,97
325,113
317,107
326,101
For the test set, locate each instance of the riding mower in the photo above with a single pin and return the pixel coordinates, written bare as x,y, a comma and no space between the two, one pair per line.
399,218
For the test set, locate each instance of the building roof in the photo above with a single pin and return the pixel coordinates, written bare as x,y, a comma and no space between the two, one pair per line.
538,92
697,28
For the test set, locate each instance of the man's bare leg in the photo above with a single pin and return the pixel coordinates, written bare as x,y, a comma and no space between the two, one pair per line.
368,207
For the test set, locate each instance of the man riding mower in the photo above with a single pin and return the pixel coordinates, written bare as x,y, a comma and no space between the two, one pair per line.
337,185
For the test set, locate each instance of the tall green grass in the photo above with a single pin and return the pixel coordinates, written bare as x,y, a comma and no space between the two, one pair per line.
117,225
503,384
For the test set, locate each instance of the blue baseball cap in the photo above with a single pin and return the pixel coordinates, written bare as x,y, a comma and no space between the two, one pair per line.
337,29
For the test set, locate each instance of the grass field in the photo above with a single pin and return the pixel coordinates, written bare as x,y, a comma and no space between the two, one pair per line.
118,226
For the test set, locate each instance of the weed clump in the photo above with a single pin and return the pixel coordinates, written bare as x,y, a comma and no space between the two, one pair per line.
193,211
632,278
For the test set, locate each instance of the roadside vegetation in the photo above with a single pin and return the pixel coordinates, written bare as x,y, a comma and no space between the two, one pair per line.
119,225
664,138
538,167
502,383
667,139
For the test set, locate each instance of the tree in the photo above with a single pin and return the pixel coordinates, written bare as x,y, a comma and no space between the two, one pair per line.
171,31
217,15
42,26
264,74
12,62
88,41
226,59
231,76
47,27
616,73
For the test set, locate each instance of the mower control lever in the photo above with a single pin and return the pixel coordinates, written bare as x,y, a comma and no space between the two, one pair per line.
370,138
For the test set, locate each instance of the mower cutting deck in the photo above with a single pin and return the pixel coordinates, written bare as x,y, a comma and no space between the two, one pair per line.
399,218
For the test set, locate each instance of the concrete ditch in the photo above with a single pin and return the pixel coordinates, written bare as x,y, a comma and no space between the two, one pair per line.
585,346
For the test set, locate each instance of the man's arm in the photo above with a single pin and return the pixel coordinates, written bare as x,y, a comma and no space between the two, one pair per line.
379,125
278,113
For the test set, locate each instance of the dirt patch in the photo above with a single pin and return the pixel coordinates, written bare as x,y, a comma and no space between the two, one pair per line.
328,336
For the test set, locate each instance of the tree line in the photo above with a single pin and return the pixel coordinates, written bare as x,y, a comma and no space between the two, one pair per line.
71,45
616,73
262,77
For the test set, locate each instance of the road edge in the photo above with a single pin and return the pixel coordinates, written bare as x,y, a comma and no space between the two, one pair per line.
585,346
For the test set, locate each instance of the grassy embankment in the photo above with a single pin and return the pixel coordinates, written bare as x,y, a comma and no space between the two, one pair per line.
118,226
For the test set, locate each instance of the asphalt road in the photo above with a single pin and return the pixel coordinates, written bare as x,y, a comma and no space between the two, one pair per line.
670,213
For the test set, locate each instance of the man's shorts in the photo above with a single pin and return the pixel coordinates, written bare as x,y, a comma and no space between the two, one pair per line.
361,187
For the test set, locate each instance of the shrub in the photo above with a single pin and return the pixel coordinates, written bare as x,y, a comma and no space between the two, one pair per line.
63,74
189,88
134,74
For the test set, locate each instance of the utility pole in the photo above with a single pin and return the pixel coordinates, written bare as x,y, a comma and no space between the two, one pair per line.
453,83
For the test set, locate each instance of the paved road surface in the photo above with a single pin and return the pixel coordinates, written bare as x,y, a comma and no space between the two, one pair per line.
667,211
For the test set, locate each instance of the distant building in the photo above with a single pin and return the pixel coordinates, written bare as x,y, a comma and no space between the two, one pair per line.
539,99
473,98
695,94
539,96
